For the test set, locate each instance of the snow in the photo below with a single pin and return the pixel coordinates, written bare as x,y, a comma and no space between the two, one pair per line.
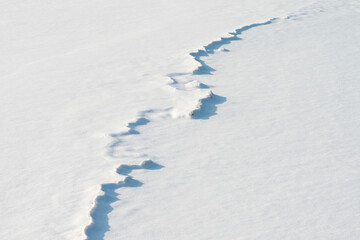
250,138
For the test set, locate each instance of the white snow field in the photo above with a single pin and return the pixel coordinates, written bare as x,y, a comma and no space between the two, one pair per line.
179,120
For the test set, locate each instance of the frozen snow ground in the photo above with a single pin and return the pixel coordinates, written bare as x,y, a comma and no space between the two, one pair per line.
278,158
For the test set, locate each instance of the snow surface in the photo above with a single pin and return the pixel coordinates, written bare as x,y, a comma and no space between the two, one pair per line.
136,120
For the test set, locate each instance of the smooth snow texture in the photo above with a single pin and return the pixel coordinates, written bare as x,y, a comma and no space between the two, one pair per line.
271,152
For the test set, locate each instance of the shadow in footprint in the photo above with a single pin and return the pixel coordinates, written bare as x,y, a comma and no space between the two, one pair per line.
203,86
132,128
127,169
208,107
99,214
131,131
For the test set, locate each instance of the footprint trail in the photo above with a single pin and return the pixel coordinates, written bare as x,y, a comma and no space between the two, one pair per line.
206,104
204,108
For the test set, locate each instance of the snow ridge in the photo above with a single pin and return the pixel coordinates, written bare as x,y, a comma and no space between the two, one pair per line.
204,108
